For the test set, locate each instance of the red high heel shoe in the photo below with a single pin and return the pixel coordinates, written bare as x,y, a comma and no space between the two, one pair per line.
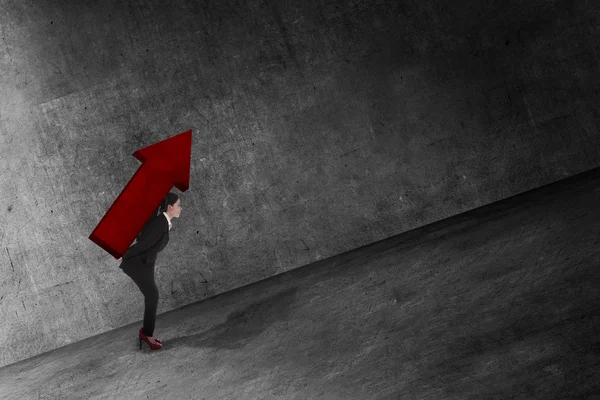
153,346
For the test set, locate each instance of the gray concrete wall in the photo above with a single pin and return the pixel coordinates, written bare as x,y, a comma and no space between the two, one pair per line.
318,127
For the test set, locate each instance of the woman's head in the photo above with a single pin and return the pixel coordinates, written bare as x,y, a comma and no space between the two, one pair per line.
171,205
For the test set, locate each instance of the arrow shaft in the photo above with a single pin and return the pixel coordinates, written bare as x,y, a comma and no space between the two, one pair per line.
134,206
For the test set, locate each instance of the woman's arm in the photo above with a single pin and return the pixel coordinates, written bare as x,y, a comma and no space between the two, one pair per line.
149,239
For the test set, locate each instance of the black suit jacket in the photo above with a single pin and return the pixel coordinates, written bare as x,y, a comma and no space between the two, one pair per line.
152,240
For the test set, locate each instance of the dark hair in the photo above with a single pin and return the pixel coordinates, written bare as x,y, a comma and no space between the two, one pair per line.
171,199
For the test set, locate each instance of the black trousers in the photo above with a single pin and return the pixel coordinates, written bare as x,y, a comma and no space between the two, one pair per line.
143,276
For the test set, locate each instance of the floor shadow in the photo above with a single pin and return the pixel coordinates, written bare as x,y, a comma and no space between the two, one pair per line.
242,325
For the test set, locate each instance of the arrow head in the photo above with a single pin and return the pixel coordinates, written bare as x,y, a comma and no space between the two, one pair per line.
171,156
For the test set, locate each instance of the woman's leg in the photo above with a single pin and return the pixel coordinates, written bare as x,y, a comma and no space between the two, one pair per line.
144,279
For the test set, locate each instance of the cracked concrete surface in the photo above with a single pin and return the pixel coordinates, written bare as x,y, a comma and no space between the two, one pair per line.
500,302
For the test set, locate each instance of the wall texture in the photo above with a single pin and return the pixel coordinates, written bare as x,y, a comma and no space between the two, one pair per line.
318,127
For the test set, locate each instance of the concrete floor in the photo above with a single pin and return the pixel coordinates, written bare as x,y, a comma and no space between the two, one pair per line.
498,303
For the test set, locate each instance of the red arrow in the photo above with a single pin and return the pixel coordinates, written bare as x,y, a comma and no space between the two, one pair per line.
164,164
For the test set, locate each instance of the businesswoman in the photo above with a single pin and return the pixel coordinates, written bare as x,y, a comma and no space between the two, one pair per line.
138,263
